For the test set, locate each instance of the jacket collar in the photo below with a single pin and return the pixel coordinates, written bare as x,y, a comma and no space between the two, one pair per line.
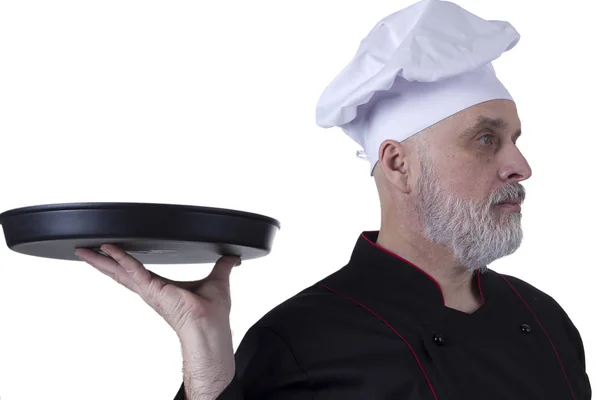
388,275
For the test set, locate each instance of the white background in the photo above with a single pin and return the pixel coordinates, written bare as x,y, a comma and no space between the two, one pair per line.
212,104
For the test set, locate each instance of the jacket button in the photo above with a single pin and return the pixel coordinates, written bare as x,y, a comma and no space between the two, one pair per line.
438,339
525,328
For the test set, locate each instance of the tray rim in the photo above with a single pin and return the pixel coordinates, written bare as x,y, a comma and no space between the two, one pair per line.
133,205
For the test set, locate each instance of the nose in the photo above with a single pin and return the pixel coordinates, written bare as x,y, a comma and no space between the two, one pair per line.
516,168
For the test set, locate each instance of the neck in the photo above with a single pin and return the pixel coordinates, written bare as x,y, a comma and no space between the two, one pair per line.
458,285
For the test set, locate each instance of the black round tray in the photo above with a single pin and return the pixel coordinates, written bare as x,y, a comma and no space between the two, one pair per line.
152,233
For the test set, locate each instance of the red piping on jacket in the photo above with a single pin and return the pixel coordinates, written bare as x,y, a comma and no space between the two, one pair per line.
546,333
392,328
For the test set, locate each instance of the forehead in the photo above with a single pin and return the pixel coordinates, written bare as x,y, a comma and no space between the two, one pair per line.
500,115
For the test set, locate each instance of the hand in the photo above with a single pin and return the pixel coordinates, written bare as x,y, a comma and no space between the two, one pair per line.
185,306
198,311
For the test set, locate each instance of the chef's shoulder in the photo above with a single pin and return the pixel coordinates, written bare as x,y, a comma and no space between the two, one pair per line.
290,338
314,307
532,296
542,305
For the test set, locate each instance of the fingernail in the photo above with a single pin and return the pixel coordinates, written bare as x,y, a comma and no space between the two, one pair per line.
237,264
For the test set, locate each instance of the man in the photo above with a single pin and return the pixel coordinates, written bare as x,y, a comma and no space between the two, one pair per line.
416,313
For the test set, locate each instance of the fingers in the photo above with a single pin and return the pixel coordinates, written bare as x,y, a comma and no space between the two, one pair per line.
223,267
134,268
120,266
108,267
132,274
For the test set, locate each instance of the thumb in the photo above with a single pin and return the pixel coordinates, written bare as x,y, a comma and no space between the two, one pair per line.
223,267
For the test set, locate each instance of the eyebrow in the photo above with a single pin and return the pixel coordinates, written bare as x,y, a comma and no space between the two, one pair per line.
485,122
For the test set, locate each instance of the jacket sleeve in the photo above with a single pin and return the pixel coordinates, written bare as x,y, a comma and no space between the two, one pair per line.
266,369
575,337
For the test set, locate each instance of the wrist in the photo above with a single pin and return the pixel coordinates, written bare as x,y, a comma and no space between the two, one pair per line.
193,333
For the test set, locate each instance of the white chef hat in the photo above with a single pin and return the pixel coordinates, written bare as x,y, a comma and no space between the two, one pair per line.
415,68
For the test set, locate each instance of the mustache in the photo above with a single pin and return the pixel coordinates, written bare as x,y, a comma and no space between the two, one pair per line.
511,193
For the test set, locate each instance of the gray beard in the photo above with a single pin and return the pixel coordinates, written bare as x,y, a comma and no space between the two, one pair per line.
475,233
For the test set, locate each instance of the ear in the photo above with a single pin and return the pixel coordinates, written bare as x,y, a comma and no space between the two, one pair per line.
394,165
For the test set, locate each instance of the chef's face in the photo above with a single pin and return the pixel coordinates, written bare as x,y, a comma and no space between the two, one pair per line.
471,164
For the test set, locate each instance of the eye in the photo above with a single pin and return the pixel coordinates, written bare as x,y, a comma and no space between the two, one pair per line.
489,136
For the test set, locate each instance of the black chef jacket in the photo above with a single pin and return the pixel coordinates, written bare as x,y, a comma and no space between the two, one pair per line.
378,329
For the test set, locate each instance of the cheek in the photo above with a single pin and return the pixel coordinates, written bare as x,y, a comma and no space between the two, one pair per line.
468,185
468,177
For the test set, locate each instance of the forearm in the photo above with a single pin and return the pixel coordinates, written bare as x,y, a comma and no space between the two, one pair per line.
204,378
208,362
